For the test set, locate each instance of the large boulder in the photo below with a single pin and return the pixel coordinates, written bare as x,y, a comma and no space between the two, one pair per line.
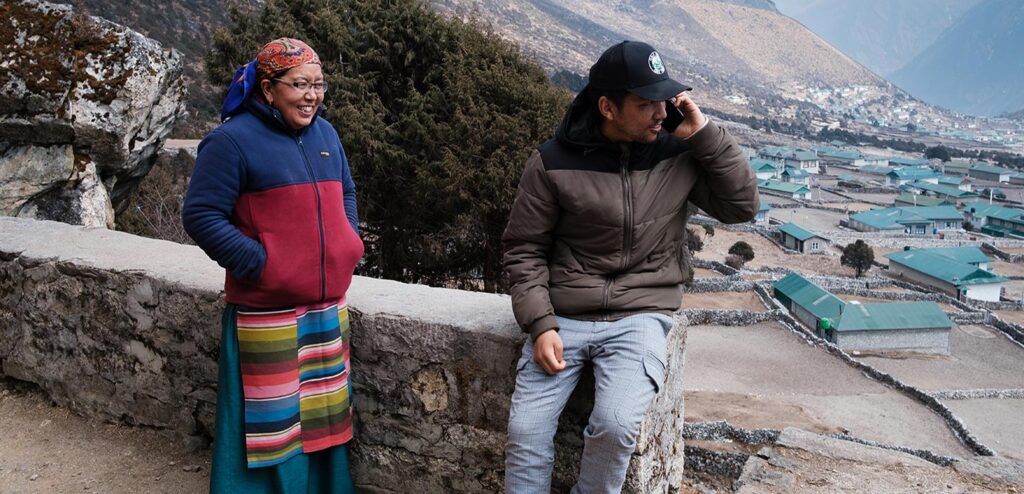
84,106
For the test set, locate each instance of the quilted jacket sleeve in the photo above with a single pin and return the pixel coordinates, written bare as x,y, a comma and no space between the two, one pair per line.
726,187
527,244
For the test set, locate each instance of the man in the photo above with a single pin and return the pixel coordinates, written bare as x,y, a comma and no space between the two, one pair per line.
594,252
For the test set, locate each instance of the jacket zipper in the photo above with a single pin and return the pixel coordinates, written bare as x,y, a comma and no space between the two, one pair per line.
627,223
627,206
319,221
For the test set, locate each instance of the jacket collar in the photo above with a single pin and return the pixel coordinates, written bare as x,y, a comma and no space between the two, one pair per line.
274,118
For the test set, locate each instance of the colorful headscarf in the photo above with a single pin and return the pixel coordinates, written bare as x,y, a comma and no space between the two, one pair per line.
277,56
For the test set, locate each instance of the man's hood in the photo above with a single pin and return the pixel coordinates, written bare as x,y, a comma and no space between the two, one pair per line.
580,128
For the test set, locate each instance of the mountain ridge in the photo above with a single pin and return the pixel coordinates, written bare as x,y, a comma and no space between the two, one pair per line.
975,66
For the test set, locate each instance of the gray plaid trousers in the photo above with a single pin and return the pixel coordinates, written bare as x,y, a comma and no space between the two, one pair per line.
628,356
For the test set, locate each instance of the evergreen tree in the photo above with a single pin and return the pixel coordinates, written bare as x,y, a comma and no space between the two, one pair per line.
743,250
693,241
437,115
937,152
859,256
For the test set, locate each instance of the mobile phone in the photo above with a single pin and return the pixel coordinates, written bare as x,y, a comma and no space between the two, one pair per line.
673,117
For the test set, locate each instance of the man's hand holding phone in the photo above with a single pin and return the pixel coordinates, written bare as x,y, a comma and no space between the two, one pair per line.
692,118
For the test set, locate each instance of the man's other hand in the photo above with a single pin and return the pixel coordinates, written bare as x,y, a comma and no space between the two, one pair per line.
693,118
547,352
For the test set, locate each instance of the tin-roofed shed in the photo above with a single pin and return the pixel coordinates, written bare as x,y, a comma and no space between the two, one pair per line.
947,274
798,238
896,326
808,302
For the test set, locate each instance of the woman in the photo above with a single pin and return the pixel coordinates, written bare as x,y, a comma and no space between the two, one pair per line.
273,202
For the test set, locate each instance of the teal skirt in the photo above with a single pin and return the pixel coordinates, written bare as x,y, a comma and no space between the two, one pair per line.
324,471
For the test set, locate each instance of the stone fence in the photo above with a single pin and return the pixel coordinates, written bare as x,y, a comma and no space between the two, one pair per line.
127,329
997,252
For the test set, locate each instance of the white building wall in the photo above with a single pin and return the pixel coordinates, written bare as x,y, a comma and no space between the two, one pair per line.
989,292
814,244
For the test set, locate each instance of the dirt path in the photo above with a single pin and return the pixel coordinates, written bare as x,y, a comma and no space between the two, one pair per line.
47,449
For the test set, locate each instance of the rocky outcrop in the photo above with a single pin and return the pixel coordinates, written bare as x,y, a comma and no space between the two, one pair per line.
84,106
801,461
127,328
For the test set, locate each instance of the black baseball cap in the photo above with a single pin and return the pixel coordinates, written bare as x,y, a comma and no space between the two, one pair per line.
637,68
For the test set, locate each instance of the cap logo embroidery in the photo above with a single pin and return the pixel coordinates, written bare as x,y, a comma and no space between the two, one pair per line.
654,61
325,154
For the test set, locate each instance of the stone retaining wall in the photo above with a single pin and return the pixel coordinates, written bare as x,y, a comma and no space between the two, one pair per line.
726,317
127,329
1012,331
954,423
732,283
992,250
979,394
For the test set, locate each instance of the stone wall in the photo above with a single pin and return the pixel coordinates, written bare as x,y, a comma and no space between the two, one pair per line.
992,250
126,329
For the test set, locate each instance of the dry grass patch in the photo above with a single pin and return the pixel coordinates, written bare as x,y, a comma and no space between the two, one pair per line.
723,300
1004,268
706,273
1014,316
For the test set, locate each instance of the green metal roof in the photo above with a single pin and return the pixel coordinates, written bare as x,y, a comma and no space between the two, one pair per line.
920,200
789,188
984,209
763,165
764,206
848,155
913,173
951,181
805,155
1008,214
943,268
795,172
943,190
908,162
811,297
892,316
1002,231
796,231
782,152
896,218
968,254
981,167
875,169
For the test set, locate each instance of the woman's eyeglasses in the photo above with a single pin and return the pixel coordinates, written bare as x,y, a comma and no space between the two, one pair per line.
303,86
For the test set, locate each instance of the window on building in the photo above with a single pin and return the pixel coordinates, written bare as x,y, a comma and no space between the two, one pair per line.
814,245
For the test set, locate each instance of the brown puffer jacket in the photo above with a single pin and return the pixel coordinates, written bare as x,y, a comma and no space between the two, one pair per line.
597,228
